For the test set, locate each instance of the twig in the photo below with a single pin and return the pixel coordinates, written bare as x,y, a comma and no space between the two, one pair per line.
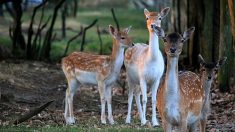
32,113
84,34
30,31
101,43
70,40
115,19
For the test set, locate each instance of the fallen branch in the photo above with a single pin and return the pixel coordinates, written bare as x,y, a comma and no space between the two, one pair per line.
32,113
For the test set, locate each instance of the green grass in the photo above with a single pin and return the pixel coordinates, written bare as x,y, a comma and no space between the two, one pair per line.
74,129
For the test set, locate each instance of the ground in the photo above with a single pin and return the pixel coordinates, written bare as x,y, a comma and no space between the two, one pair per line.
26,85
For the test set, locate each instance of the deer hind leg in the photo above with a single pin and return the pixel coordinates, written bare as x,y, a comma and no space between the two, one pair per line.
203,121
72,88
154,96
102,88
130,98
109,104
143,86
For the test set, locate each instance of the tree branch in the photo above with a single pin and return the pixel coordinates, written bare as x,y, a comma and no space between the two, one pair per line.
84,34
115,19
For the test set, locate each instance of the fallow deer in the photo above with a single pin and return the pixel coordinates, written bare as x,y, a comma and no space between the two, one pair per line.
208,74
145,66
180,95
102,70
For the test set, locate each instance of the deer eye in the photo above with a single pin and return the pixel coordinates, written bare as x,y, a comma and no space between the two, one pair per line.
122,37
216,70
203,69
147,18
160,18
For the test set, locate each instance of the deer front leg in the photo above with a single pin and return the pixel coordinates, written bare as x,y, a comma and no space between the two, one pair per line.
69,117
138,103
109,104
130,98
194,127
143,86
166,126
154,96
101,88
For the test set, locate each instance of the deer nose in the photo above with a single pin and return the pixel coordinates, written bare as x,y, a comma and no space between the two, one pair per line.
152,25
209,77
172,50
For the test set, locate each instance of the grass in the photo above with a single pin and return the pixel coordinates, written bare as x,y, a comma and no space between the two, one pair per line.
23,128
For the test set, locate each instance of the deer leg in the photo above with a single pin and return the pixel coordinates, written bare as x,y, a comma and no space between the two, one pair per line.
182,127
143,86
102,88
109,104
138,103
69,117
154,96
130,98
167,126
203,121
194,127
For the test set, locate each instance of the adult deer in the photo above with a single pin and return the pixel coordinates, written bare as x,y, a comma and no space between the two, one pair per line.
83,68
180,95
208,74
145,67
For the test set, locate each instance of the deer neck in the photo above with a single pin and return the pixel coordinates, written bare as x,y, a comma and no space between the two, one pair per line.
117,56
207,86
172,80
153,45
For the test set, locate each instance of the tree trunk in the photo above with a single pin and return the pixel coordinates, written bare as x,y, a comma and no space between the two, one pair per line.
226,48
48,38
18,38
75,8
63,18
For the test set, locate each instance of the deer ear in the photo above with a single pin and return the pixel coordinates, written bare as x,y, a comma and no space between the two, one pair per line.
165,11
112,30
201,60
146,13
188,33
126,30
159,31
221,62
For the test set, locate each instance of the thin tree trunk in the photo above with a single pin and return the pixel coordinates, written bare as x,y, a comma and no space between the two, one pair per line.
63,18
18,38
226,48
47,42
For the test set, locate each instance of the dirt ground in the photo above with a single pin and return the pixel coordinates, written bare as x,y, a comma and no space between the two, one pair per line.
27,85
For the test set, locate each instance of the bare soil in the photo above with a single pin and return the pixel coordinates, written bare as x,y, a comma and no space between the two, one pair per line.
25,85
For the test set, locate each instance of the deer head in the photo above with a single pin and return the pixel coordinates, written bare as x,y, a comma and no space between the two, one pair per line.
174,41
210,69
154,18
121,36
